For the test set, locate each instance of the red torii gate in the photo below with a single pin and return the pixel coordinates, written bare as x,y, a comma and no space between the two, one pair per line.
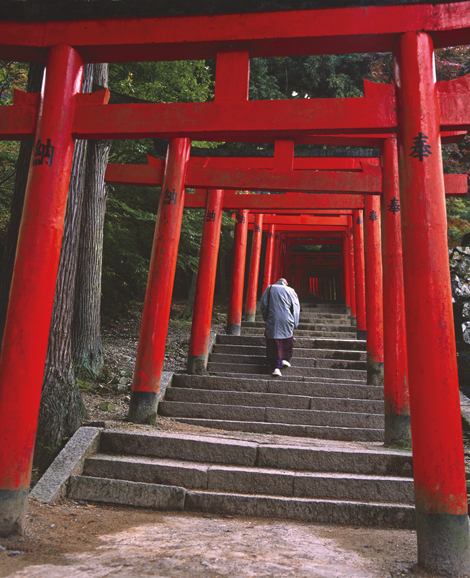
442,515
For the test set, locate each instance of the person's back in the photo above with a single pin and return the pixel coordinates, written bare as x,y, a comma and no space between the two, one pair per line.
280,309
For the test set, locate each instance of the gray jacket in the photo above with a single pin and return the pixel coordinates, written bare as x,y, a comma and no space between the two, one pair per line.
283,313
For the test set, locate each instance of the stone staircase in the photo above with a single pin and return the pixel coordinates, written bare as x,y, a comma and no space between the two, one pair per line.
304,446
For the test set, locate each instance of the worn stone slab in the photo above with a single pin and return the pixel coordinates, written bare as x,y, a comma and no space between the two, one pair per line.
346,405
371,462
359,434
53,484
297,430
210,411
251,480
322,389
465,411
354,487
291,371
148,470
297,361
324,418
165,382
299,352
219,382
302,333
179,446
303,509
238,398
286,378
159,497
309,343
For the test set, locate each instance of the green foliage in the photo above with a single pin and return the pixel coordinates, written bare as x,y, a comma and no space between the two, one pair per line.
12,75
128,235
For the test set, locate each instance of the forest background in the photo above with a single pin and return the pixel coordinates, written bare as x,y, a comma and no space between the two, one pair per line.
116,224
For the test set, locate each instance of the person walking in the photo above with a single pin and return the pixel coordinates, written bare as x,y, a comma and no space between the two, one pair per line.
280,309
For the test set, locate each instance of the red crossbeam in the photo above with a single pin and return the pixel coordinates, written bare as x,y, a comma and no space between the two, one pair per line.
250,121
328,31
337,220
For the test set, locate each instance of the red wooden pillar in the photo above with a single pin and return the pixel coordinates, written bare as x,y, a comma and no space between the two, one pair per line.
33,286
276,257
156,313
397,399
205,284
436,427
252,291
360,274
346,275
374,291
268,263
352,284
235,306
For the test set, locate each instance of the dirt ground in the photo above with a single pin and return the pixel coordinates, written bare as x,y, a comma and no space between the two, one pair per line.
79,540
85,540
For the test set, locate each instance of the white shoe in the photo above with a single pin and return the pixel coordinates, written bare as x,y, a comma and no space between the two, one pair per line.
285,363
277,372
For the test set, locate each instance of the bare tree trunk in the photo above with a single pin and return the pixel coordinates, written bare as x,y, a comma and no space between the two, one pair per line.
62,408
223,276
35,74
188,308
87,345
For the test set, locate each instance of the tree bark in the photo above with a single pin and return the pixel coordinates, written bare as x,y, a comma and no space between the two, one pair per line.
62,408
188,308
86,341
35,75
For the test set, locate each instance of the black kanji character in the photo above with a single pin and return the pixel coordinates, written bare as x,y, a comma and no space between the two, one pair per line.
359,221
373,216
210,216
421,148
240,218
394,206
43,152
270,235
170,197
352,230
257,228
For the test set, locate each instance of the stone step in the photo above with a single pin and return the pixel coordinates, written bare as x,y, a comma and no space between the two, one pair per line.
292,454
299,352
299,509
295,361
271,415
303,509
306,326
207,396
326,307
333,320
299,342
355,374
303,333
252,480
283,429
286,378
270,384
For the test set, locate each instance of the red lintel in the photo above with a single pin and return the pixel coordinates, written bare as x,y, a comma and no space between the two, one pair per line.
326,31
302,220
262,203
250,121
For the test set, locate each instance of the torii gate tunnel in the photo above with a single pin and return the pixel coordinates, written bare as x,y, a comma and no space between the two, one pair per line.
416,109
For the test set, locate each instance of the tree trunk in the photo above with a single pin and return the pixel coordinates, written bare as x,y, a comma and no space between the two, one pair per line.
86,342
62,409
188,308
35,74
223,276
